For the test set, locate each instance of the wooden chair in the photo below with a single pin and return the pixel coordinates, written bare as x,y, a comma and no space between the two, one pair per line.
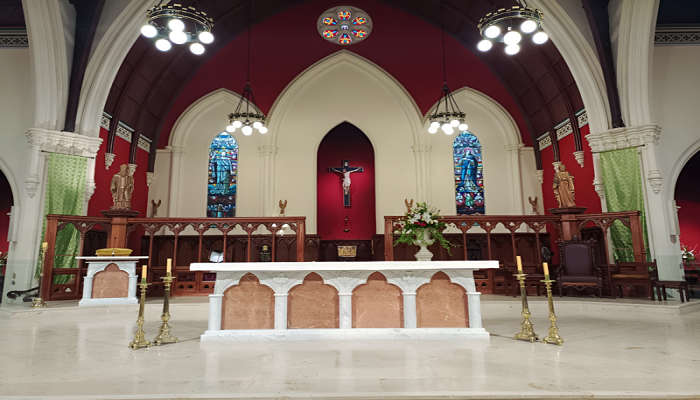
578,267
634,274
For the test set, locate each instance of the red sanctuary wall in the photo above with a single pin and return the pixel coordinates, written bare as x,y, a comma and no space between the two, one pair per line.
345,142
404,45
4,228
689,222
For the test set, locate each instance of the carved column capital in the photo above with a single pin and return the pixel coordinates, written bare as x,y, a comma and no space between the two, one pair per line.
622,138
578,155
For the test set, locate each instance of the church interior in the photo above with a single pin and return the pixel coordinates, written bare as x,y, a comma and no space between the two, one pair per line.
376,199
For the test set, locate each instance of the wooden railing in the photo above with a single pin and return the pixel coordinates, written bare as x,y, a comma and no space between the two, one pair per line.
71,288
566,226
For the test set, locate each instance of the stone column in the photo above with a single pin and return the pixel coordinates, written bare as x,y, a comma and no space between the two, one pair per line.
345,282
410,317
409,282
345,308
281,300
516,179
267,154
466,280
215,305
421,154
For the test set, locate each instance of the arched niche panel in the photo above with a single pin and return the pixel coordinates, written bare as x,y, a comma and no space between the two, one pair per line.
377,304
313,305
110,283
441,304
248,305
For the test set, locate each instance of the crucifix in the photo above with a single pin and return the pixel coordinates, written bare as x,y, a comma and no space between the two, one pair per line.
346,170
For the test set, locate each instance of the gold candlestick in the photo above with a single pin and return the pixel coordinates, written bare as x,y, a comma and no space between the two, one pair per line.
38,302
553,335
164,336
140,336
526,330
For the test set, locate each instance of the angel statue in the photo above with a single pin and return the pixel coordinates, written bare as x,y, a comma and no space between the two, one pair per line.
283,205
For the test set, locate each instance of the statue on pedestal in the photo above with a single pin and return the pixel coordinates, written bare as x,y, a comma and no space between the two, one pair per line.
122,187
563,186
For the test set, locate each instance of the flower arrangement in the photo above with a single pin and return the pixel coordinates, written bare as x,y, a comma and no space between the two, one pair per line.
688,255
418,220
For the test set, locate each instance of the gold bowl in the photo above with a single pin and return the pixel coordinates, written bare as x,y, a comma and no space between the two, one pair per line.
113,252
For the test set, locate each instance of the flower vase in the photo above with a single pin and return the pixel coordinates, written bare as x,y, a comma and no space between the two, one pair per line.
423,241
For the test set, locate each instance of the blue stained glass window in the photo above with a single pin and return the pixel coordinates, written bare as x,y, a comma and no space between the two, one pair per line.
469,177
223,176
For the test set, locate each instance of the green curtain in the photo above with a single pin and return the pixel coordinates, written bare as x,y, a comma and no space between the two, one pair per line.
622,180
65,193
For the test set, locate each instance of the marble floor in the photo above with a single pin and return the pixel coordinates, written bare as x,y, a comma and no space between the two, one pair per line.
623,349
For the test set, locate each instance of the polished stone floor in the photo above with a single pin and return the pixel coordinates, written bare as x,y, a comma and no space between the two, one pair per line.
623,349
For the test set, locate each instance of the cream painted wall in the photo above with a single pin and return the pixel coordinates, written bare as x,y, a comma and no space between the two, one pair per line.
16,104
343,87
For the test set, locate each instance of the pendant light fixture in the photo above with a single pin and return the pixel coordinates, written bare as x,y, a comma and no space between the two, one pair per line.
174,23
447,116
509,25
245,116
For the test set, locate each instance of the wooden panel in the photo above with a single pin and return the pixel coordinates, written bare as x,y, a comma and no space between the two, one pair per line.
441,304
248,305
312,304
377,304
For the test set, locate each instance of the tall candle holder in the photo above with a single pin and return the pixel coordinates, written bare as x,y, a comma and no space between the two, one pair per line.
164,336
38,302
527,332
140,336
553,334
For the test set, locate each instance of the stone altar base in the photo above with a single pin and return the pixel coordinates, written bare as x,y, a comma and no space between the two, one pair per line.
110,281
344,300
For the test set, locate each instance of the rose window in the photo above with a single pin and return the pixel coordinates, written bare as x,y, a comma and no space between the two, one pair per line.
344,25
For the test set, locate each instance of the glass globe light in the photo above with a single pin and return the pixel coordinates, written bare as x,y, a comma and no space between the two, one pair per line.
512,49
263,130
463,127
237,124
176,25
540,37
492,31
447,128
484,45
230,128
432,129
197,48
512,37
205,37
149,31
528,26
163,44
257,125
435,124
247,130
454,123
177,37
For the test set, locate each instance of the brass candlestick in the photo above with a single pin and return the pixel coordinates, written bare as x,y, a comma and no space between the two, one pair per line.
38,302
140,336
553,335
164,336
526,330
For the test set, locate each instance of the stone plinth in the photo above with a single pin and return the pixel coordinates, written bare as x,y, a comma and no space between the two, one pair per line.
110,280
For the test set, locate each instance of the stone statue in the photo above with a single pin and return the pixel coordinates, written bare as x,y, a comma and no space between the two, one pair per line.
283,205
122,187
563,186
533,204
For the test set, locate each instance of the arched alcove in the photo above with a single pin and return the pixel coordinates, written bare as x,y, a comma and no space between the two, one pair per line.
6,202
345,157
687,197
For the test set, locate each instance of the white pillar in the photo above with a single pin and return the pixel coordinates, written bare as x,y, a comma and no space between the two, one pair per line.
87,287
474,304
281,311
410,319
132,285
345,306
215,303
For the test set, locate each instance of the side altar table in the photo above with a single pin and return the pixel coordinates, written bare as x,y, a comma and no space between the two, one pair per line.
382,299
110,280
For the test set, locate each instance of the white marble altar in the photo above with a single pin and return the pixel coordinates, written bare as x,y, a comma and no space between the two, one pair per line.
281,277
98,264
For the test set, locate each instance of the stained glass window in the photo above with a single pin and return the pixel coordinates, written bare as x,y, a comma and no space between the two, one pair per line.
223,176
344,25
469,177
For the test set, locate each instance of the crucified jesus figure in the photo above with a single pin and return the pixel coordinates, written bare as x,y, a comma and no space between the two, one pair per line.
346,170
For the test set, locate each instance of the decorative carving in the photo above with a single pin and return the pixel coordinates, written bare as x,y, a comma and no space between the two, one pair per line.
578,155
622,138
283,206
154,207
69,143
109,159
540,175
563,186
533,203
122,187
599,188
31,185
149,178
14,38
132,168
656,180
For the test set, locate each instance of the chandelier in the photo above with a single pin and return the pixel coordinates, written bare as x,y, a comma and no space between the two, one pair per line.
177,24
447,115
246,116
508,25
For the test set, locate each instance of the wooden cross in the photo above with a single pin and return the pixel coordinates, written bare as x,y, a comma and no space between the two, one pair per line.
345,171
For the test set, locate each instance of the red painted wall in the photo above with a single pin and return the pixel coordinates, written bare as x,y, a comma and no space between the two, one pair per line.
6,202
405,46
345,142
689,221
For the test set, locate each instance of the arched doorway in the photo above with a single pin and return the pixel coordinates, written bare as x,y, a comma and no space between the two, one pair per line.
345,193
6,202
687,196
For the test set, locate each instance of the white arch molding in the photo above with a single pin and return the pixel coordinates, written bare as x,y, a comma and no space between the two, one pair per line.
670,198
